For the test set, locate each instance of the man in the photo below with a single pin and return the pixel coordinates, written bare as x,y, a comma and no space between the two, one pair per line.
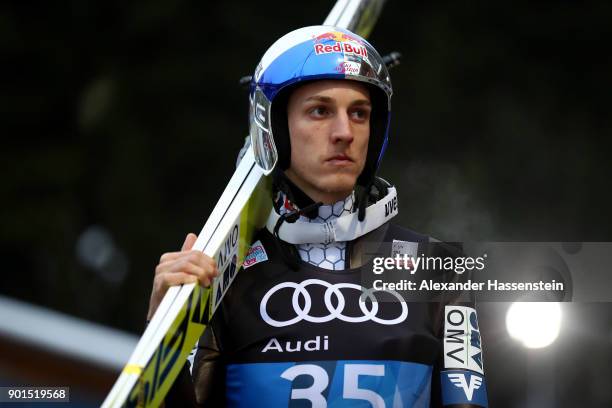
298,326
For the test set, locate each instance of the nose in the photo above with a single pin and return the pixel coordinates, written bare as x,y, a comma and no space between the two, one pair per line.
341,129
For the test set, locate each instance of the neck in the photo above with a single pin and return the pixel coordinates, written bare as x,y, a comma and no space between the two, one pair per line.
316,194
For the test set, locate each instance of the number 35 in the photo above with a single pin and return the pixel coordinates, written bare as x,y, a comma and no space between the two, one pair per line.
350,389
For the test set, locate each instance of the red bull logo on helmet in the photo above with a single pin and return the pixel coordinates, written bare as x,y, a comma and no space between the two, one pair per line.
344,47
336,36
342,42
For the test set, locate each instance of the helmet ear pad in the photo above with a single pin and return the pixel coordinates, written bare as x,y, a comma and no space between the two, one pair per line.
280,127
378,128
379,120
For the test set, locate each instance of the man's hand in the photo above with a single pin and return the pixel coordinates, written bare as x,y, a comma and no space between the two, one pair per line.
176,268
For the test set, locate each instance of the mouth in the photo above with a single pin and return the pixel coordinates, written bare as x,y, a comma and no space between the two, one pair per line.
339,160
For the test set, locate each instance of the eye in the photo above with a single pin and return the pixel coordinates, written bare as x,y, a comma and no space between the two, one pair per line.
319,111
360,114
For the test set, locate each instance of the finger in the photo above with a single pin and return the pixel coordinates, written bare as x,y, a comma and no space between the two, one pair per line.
206,279
198,256
170,256
190,239
204,272
181,265
185,242
174,262
166,280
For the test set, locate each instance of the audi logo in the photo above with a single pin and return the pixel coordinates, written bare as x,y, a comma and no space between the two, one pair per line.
300,290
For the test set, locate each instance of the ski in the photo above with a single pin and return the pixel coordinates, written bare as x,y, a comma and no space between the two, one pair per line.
181,316
185,310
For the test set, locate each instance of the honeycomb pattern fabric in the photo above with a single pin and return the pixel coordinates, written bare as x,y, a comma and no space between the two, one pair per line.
328,256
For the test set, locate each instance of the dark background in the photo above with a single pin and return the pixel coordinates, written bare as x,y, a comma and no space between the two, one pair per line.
121,122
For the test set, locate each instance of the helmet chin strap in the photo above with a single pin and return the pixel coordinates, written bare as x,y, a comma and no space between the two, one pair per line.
344,228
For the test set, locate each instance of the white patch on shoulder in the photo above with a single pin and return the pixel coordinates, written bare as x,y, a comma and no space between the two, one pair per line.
404,248
255,255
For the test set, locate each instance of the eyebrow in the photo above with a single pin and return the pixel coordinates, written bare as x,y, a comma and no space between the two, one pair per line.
363,102
319,98
327,99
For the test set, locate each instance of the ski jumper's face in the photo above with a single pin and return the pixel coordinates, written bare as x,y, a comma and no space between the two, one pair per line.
329,129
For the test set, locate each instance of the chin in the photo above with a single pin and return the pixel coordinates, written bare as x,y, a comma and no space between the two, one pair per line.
338,183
